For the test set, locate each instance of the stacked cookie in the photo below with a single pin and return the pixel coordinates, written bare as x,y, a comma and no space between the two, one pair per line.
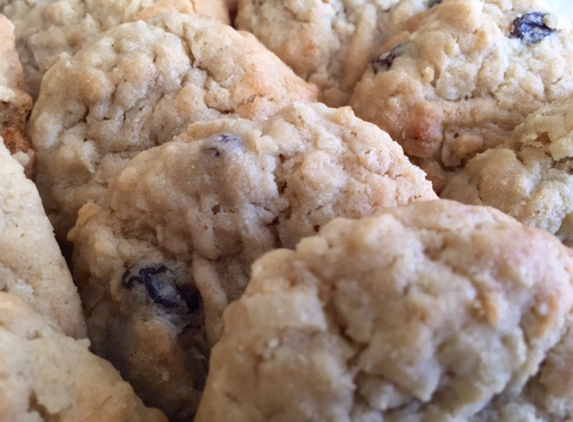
243,252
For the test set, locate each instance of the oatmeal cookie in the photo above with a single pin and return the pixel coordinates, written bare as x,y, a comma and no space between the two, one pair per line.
49,377
530,177
434,311
31,264
138,86
470,73
182,223
46,29
327,43
15,104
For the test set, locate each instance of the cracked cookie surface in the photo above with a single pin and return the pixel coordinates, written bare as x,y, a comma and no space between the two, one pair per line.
465,78
49,377
327,43
432,311
138,86
15,104
45,29
529,177
31,264
182,223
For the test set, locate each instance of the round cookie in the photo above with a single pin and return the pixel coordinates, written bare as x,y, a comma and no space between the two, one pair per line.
45,29
31,264
461,82
434,311
327,43
138,86
157,264
49,377
15,104
530,177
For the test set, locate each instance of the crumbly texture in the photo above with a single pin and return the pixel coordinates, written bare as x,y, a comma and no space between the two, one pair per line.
46,29
461,82
138,86
183,222
49,377
31,264
435,311
530,177
15,104
329,43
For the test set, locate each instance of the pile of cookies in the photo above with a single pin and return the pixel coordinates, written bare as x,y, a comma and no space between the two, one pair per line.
286,210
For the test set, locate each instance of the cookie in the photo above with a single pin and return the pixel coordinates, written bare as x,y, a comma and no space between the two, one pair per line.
46,29
327,43
434,311
529,177
182,223
47,376
15,104
461,82
31,264
138,86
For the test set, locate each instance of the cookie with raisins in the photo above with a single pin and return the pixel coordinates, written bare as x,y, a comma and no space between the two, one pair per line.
465,78
172,245
31,264
48,376
45,29
434,311
529,177
328,43
137,86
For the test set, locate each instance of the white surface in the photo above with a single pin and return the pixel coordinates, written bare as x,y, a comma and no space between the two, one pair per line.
563,6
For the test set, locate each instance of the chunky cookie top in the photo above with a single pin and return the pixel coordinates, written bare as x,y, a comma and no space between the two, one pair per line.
432,311
46,29
529,177
49,377
31,264
462,81
15,104
329,43
183,222
138,86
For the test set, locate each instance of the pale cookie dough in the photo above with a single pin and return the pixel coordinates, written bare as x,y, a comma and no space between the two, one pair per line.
430,312
183,222
46,29
530,177
138,86
470,73
49,377
31,264
328,43
15,104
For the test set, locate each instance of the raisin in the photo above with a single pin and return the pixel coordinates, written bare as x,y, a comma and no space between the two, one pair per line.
157,283
214,144
227,137
192,298
160,283
384,62
530,27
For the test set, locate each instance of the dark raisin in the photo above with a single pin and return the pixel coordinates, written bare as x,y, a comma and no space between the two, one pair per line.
215,144
159,283
432,3
530,27
192,298
227,137
384,62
